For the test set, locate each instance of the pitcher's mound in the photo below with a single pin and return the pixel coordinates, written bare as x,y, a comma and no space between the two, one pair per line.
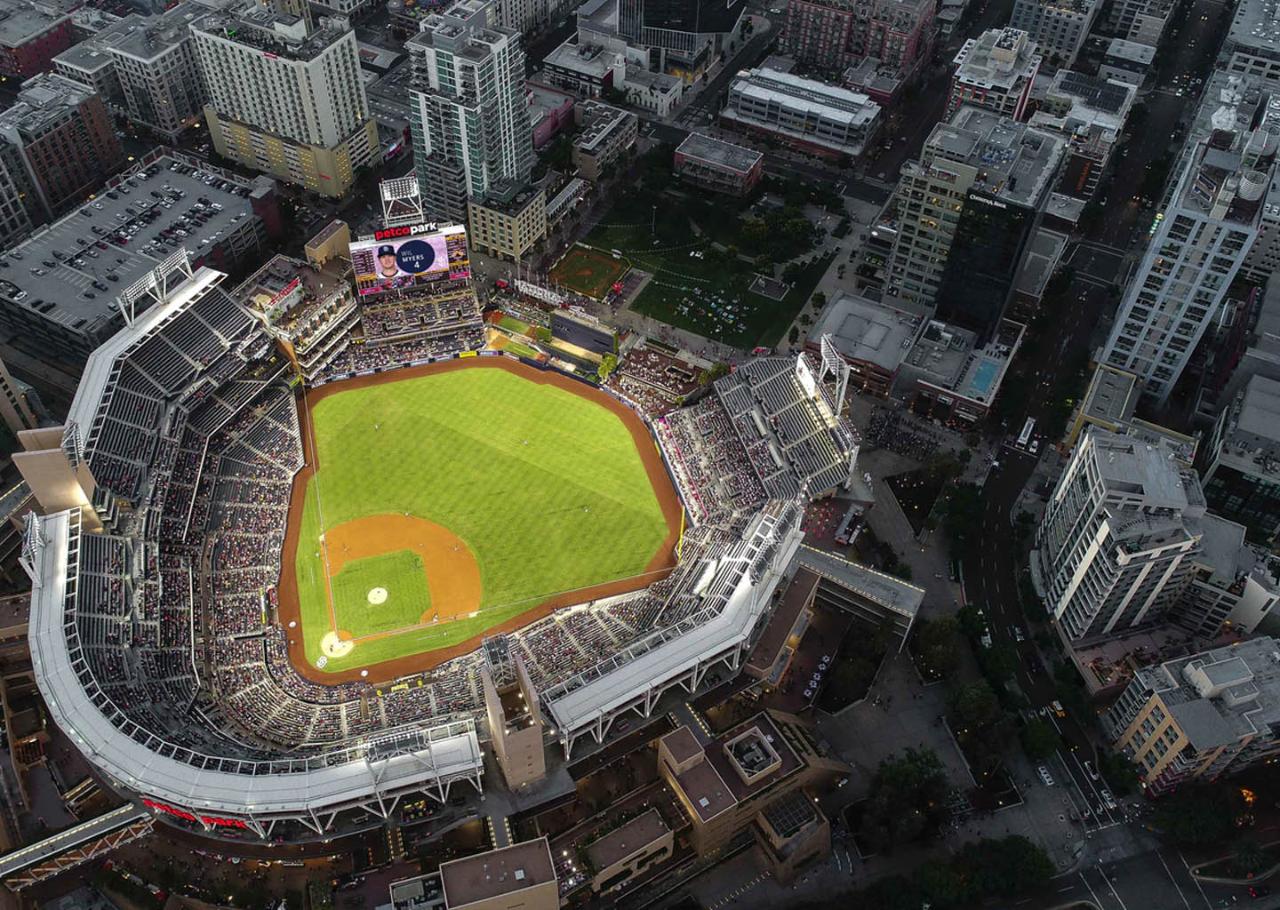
377,596
333,646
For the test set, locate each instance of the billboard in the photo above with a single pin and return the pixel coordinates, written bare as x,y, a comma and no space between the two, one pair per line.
414,256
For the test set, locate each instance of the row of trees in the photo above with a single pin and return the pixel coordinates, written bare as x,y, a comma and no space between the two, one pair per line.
907,803
1003,869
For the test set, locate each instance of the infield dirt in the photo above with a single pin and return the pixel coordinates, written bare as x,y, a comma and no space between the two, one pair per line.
404,535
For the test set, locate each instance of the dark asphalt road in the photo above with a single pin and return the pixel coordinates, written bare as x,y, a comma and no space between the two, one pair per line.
991,567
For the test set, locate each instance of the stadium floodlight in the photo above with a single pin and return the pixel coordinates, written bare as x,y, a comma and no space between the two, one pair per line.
156,284
401,201
833,363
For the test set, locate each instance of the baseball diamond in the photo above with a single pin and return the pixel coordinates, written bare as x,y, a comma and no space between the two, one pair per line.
446,502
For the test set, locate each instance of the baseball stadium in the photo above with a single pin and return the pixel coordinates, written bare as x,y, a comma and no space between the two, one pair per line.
299,539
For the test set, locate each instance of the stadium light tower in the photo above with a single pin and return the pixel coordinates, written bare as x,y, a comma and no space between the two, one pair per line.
832,362
401,201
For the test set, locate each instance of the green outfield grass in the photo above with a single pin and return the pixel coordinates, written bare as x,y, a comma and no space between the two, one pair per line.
408,596
545,487
588,271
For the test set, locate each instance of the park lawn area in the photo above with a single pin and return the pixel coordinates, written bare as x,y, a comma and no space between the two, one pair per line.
673,297
589,272
402,575
544,486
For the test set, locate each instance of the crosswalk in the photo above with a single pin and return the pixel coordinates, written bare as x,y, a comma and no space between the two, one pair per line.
740,890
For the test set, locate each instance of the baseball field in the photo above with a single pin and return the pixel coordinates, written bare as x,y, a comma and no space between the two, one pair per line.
589,272
444,503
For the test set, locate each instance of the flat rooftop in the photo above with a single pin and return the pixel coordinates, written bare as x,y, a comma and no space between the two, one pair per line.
796,93
1112,395
42,102
602,120
273,32
86,56
1132,51
946,357
707,790
23,22
719,153
589,60
1143,469
624,841
867,331
999,58
879,588
1016,163
1094,91
148,37
1256,26
682,744
718,756
497,872
1043,254
799,594
1260,408
70,252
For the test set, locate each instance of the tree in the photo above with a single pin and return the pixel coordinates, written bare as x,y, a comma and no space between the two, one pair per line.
715,372
908,800
608,363
1039,739
819,300
1249,857
1196,816
998,662
1006,867
961,513
938,643
794,335
973,707
1119,772
943,882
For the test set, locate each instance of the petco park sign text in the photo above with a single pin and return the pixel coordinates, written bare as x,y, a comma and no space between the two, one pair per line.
407,230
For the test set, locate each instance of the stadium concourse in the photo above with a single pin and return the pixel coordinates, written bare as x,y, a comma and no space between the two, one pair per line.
155,636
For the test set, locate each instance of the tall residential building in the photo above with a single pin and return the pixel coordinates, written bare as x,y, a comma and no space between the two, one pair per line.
1208,225
833,35
15,188
979,187
33,33
1058,27
1118,536
471,131
1142,21
1240,464
522,15
146,67
287,99
995,71
64,136
1200,717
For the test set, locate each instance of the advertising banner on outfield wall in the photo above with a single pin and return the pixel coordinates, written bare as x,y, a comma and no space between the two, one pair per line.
403,258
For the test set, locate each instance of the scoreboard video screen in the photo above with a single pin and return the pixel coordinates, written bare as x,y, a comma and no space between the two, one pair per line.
403,258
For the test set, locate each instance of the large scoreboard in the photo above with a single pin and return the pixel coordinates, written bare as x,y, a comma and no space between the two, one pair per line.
414,256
